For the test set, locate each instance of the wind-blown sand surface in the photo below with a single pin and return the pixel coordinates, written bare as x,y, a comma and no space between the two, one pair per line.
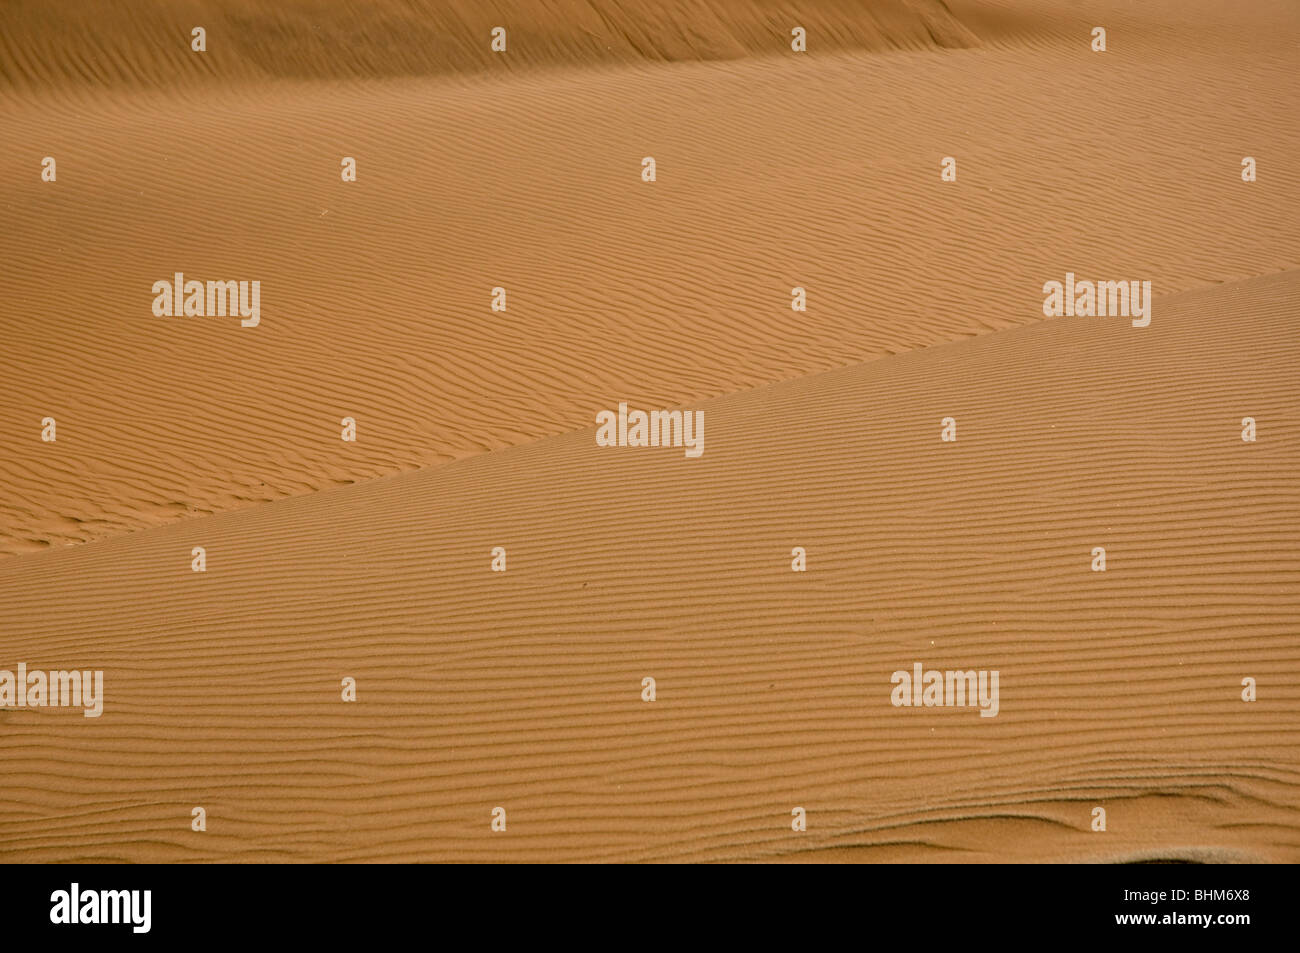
475,689
376,294
521,689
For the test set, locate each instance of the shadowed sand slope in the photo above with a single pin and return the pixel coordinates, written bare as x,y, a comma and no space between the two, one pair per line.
78,45
135,43
522,689
375,295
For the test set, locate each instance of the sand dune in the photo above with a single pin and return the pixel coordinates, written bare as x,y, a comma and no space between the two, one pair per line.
135,44
521,689
147,42
376,294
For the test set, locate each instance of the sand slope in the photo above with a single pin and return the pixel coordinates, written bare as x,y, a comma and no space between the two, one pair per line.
148,42
371,560
376,294
521,689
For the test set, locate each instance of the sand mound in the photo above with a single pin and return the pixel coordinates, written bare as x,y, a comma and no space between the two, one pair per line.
522,689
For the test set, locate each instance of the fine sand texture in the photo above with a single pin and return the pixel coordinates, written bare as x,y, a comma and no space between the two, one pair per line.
523,689
376,300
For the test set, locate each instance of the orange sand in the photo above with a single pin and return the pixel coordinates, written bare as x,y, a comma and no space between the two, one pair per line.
371,560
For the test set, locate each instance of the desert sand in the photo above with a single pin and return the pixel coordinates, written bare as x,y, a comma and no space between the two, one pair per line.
523,689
